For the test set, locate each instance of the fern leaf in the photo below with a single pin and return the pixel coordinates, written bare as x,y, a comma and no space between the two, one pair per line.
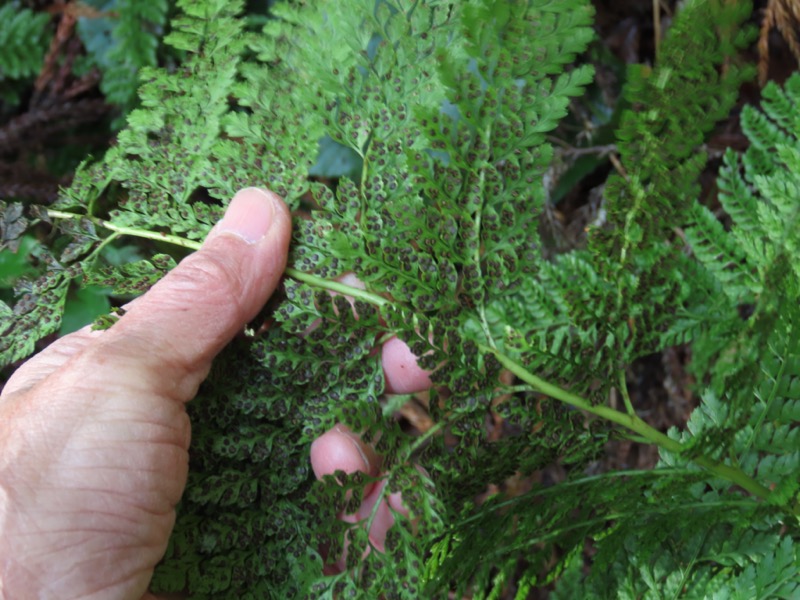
24,38
122,44
720,253
736,196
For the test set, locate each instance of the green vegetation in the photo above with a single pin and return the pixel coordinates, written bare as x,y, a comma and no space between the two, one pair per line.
441,114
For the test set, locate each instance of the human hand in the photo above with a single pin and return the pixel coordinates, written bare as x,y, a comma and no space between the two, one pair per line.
94,435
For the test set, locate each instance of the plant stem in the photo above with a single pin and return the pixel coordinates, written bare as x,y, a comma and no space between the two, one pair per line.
623,389
313,280
657,28
122,230
335,286
632,422
96,252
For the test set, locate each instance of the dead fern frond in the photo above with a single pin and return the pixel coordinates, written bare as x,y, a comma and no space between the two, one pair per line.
785,16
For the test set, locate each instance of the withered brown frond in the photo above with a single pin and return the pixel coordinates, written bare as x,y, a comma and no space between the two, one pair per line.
785,16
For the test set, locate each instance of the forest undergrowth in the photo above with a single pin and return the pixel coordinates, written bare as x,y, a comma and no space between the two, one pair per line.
581,216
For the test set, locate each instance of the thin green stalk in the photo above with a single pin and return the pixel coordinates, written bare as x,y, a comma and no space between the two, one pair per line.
635,438
477,254
96,252
604,519
632,422
623,389
629,474
335,286
485,325
132,231
425,437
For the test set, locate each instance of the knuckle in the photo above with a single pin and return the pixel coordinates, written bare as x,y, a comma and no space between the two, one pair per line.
217,276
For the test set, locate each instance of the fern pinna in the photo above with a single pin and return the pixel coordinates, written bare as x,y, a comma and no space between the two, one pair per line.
445,106
122,39
24,38
23,35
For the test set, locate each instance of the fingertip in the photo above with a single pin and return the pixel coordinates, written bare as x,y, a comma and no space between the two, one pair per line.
402,373
339,449
252,214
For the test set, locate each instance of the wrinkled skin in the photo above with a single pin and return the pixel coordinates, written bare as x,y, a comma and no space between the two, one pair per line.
94,435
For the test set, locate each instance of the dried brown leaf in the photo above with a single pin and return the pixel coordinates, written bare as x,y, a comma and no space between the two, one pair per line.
785,16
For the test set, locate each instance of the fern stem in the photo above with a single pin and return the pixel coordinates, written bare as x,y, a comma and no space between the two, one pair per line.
485,326
623,389
96,252
132,231
335,286
629,421
657,28
632,422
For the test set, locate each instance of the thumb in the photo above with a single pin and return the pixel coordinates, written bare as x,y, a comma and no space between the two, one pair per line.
174,330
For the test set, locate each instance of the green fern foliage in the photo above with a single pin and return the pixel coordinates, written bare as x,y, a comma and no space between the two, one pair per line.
758,192
446,105
755,260
122,42
630,275
444,147
749,417
659,139
24,37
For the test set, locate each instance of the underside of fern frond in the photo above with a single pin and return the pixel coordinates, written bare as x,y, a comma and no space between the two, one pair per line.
446,106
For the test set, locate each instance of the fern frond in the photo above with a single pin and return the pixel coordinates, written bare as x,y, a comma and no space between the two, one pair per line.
24,38
441,221
763,244
446,105
659,141
723,256
120,46
629,291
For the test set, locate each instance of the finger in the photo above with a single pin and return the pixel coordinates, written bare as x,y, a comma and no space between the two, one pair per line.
395,501
171,334
339,449
401,372
383,518
382,521
400,369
